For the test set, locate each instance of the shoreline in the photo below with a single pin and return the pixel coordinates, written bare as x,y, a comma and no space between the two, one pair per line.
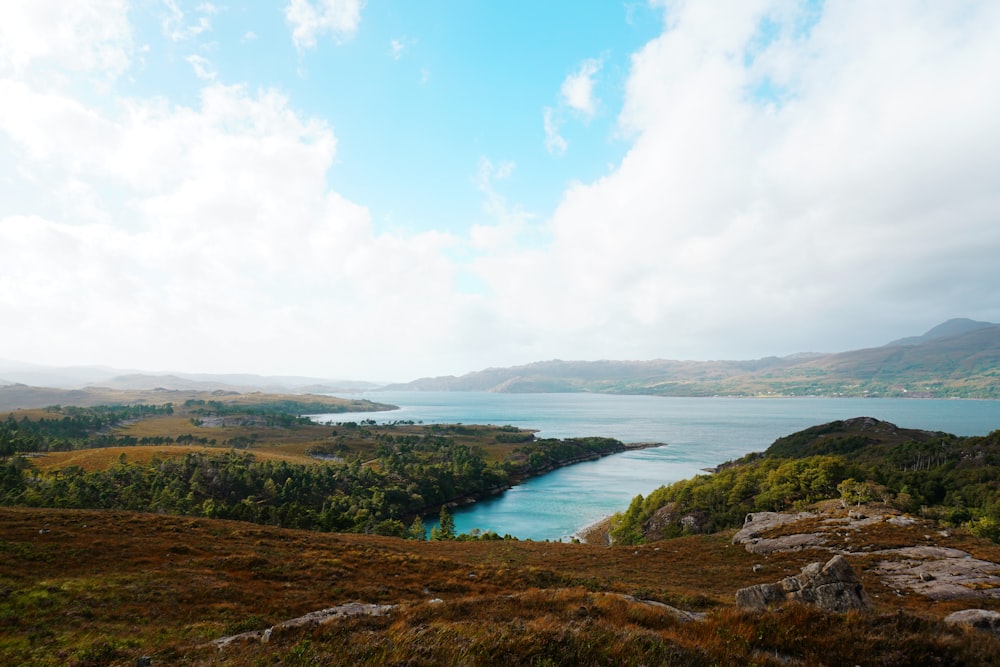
597,532
472,499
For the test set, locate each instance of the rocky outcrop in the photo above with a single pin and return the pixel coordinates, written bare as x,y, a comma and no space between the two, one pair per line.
680,614
757,523
831,587
320,617
939,573
925,567
668,518
980,619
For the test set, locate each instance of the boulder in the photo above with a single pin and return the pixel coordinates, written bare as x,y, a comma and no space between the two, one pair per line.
980,619
832,587
756,523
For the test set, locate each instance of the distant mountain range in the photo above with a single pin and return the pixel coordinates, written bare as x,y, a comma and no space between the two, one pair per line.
959,358
77,377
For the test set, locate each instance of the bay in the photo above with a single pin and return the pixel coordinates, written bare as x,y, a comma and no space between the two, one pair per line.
697,432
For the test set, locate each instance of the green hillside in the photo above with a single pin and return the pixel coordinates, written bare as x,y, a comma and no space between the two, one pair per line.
937,475
958,359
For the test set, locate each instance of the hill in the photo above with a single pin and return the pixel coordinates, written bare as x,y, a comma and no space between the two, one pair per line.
943,477
90,588
77,377
957,359
19,396
958,325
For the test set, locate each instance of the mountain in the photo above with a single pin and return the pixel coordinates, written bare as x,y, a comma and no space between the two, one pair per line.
959,358
78,377
242,382
952,327
64,377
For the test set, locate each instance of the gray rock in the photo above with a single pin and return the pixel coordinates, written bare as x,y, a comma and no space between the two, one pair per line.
679,614
832,587
756,523
939,573
981,619
764,546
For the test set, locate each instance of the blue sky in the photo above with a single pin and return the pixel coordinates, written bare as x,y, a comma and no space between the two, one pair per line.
387,190
419,94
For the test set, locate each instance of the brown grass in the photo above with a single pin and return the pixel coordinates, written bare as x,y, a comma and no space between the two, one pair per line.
79,585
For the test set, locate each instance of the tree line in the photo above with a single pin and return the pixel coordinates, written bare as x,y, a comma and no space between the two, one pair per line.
409,477
949,478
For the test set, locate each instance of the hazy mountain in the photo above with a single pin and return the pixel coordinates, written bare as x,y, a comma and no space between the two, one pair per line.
953,327
76,377
242,382
63,377
959,358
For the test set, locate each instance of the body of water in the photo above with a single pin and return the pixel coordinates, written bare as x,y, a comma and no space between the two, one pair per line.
697,432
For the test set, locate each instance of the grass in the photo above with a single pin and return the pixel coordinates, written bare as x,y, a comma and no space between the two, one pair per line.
88,587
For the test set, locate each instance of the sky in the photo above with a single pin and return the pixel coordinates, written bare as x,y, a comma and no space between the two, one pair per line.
387,190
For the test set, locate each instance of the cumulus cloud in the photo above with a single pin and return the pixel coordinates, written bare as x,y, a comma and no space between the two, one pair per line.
84,36
231,234
201,236
205,235
310,19
740,225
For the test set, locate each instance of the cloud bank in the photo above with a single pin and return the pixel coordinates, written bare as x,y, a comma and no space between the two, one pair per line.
793,181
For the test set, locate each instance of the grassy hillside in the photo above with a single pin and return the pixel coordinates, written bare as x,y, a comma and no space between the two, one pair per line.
961,362
103,588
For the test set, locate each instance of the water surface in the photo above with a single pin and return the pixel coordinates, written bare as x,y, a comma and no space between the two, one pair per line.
698,432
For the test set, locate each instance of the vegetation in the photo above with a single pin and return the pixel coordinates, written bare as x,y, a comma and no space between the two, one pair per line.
85,579
373,479
941,476
959,359
82,587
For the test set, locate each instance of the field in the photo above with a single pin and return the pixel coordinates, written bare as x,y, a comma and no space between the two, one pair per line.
95,588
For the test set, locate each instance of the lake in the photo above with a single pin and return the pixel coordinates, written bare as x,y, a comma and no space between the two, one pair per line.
697,432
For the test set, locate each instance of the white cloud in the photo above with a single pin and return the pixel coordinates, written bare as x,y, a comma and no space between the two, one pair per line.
205,236
226,239
311,19
398,46
177,29
577,89
91,36
734,226
202,67
555,144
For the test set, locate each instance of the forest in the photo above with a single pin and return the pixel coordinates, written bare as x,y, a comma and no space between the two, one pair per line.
368,479
955,480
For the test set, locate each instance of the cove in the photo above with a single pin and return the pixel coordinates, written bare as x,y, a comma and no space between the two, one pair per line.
698,432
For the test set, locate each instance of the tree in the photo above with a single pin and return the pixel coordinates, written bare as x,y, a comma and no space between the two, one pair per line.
417,530
445,530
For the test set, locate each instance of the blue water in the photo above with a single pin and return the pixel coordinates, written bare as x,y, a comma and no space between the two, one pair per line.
698,432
